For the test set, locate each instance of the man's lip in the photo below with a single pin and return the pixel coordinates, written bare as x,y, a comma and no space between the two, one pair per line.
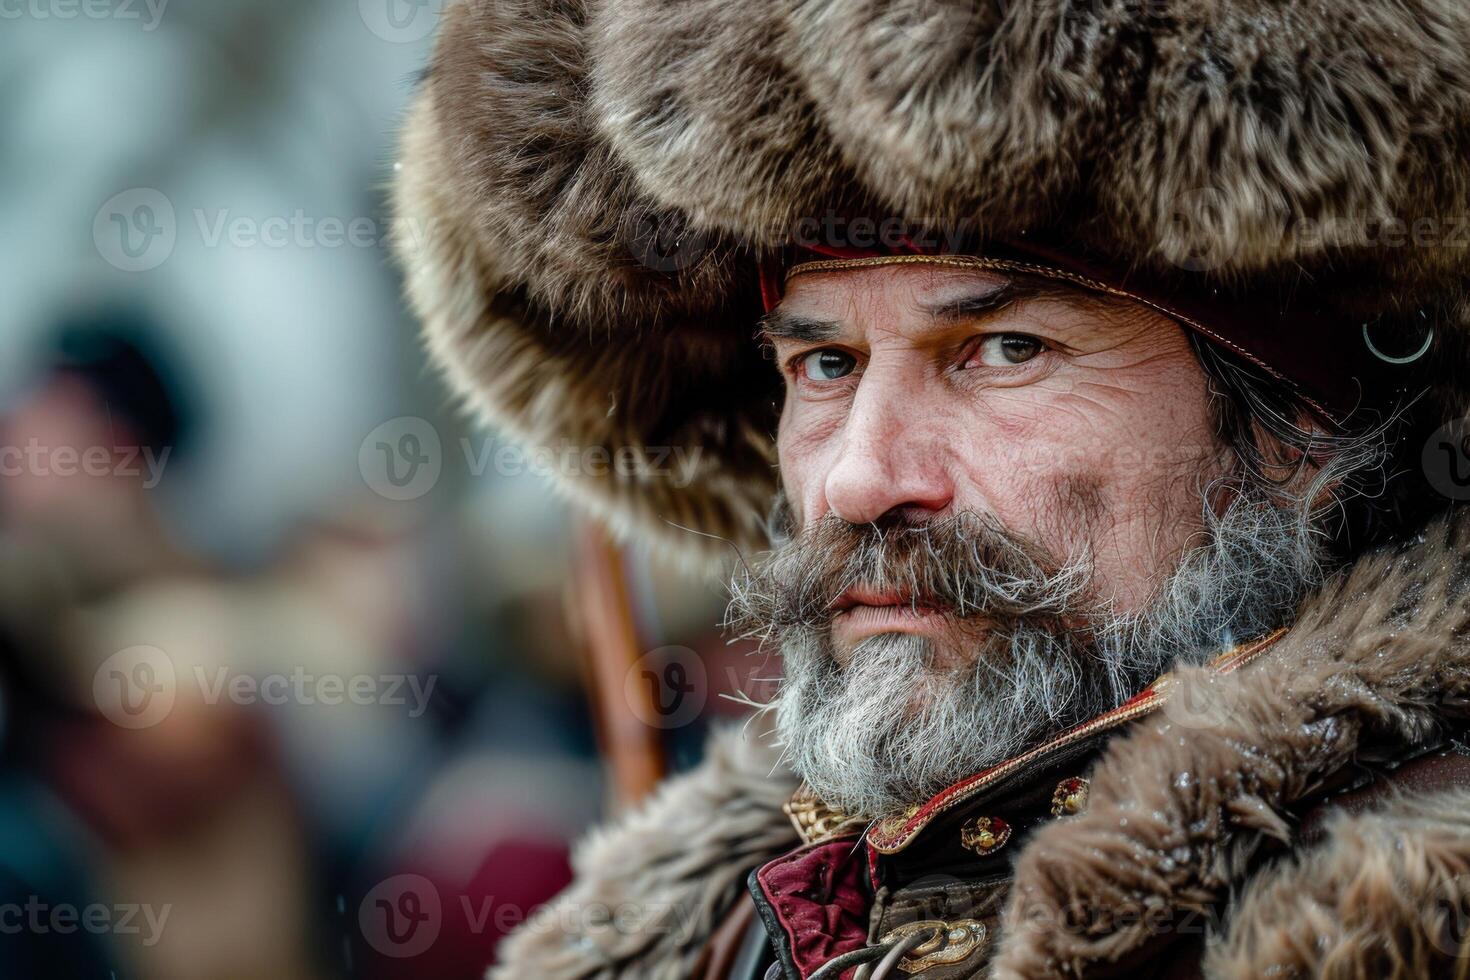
861,596
859,621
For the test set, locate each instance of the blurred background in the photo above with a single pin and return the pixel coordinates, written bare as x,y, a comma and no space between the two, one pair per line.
295,661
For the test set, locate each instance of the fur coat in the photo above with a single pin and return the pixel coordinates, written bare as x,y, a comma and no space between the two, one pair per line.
1290,822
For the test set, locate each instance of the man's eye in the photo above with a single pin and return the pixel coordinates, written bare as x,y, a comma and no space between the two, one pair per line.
827,365
1006,349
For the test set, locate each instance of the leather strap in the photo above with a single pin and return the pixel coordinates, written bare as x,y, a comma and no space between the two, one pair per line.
1440,769
721,954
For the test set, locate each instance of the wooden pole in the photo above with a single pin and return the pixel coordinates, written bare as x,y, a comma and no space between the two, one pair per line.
632,749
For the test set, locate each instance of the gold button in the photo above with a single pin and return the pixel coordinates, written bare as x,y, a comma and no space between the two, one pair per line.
984,835
1070,797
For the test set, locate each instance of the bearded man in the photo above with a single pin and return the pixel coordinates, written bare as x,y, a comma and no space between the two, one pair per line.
1080,385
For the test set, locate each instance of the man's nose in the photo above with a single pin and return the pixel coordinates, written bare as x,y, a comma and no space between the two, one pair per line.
888,461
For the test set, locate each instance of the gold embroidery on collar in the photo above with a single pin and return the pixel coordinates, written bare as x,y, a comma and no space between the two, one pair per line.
814,820
952,942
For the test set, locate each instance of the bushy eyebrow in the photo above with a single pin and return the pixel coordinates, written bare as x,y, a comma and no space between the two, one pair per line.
1020,288
981,304
793,326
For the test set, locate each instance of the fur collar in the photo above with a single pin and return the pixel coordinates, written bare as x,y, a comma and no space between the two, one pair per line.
651,888
1184,807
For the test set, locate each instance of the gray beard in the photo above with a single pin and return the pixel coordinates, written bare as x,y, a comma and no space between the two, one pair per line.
891,727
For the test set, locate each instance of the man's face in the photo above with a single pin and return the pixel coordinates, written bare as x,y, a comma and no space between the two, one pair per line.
997,523
921,392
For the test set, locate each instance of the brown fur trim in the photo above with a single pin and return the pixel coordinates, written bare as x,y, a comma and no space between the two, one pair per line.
965,111
642,430
1291,112
652,888
672,91
1183,808
585,184
1017,114
1386,897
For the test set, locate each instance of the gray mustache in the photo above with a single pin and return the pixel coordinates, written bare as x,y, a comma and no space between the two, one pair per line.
967,565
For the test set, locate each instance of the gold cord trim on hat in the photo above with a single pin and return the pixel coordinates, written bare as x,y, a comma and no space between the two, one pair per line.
1048,272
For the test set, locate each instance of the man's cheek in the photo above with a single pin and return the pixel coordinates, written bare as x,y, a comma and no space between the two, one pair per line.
801,483
806,449
1017,478
1106,433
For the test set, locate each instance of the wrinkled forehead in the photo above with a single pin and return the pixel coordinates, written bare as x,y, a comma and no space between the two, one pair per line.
820,287
823,300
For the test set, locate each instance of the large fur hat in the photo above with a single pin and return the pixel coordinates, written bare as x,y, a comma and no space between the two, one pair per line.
587,185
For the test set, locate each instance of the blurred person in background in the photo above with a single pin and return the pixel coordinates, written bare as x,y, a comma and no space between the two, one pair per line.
180,819
232,822
84,445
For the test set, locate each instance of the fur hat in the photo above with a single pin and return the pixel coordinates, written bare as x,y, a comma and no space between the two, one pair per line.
588,186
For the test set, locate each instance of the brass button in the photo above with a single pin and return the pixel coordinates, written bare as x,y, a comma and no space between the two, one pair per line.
984,835
1070,797
949,943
